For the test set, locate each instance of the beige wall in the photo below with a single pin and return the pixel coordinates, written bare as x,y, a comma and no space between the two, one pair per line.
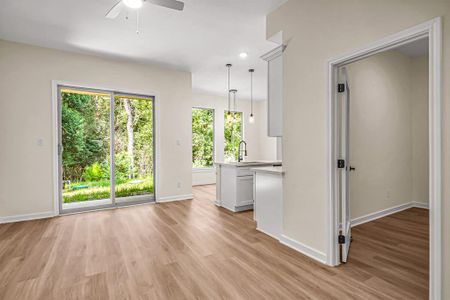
259,145
383,99
26,74
419,121
316,31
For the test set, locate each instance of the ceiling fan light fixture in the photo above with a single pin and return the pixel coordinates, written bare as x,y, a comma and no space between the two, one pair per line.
133,3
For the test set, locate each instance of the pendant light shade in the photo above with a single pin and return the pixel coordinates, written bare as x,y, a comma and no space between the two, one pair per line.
251,119
232,116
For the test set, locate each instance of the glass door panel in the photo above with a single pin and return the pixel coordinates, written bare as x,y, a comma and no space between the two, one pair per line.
133,149
84,149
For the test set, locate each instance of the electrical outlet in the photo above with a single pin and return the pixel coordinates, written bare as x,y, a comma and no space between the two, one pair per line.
178,184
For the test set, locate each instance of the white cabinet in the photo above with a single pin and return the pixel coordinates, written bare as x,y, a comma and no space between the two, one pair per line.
268,211
236,188
275,91
234,184
244,193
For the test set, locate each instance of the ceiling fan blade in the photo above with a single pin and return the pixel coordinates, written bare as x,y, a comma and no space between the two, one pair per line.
173,4
115,10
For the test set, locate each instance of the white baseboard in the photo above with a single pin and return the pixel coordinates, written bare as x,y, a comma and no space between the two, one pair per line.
269,234
27,217
386,212
175,198
420,205
302,248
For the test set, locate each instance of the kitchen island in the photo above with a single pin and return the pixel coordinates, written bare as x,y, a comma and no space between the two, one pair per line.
234,184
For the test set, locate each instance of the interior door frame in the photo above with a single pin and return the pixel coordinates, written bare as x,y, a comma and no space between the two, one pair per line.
433,30
56,112
343,127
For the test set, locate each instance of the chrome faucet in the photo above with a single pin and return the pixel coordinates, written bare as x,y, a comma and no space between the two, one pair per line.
240,157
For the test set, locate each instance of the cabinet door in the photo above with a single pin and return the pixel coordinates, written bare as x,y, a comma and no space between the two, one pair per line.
244,190
275,97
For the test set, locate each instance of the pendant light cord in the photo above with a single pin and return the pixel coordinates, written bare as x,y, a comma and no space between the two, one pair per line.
251,92
137,21
228,90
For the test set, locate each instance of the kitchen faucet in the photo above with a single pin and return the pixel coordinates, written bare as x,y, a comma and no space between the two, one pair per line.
240,157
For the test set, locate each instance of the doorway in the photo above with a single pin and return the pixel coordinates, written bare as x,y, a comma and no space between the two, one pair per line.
338,235
105,149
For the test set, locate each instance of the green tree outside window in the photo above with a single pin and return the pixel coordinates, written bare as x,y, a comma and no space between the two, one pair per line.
202,138
232,134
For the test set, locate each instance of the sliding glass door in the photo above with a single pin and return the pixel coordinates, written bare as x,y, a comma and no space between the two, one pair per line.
133,148
106,149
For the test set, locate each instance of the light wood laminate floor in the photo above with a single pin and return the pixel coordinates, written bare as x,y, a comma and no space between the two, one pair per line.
195,250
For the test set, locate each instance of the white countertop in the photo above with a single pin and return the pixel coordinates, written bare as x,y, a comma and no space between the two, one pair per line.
249,163
272,170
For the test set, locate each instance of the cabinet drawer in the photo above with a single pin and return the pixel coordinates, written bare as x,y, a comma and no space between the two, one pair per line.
244,172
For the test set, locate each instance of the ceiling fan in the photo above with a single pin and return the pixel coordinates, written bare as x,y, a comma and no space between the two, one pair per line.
119,6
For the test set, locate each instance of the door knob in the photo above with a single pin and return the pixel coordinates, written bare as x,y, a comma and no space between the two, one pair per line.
352,168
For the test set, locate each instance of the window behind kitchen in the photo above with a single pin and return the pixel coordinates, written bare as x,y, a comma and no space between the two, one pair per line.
202,138
232,134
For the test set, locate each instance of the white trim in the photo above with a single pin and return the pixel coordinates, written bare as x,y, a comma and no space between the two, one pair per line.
27,217
274,53
175,198
432,29
386,212
54,148
420,205
204,170
303,249
267,233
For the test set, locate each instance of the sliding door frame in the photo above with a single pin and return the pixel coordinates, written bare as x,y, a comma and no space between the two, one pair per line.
57,144
138,199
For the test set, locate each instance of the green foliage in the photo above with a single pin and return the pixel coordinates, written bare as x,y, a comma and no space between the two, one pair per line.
85,121
202,138
122,167
93,172
142,112
85,132
101,190
233,135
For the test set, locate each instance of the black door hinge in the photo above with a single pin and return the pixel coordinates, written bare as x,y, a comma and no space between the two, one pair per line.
341,87
341,239
341,163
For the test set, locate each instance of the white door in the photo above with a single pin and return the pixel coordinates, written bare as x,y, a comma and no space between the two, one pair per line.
343,164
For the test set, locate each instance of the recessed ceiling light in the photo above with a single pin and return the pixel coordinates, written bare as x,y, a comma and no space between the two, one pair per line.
133,3
243,55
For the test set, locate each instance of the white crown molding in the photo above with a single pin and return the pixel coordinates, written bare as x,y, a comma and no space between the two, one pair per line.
274,53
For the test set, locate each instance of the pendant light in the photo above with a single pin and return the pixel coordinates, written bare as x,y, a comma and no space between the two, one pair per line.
232,116
251,119
228,86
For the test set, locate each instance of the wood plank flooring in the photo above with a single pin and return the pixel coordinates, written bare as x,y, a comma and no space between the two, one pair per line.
195,250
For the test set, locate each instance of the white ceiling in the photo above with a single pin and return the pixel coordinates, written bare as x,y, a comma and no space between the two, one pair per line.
201,39
415,49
